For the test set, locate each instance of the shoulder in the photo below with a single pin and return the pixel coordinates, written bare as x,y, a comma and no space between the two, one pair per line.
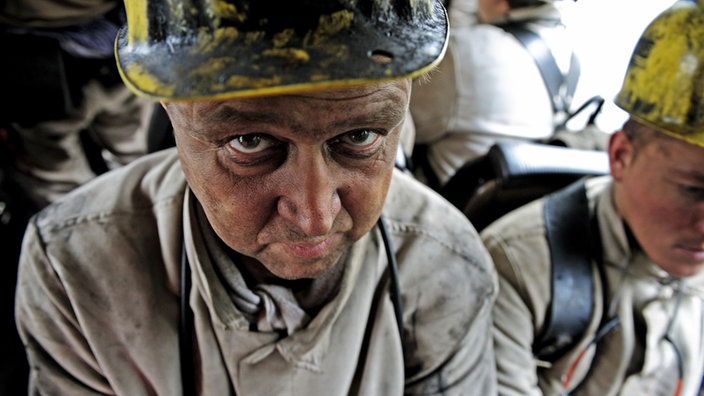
485,44
446,276
113,242
440,256
131,210
490,60
137,187
522,225
96,264
518,246
423,222
518,241
521,235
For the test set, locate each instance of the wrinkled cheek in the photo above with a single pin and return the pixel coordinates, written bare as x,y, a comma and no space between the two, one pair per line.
215,190
236,224
206,182
366,203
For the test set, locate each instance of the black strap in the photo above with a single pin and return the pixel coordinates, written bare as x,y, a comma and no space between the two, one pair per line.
560,87
395,288
420,162
185,334
569,235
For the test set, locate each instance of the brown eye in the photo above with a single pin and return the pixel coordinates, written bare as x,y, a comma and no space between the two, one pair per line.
252,143
362,137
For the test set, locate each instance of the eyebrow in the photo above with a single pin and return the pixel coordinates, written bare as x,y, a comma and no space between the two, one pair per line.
226,114
691,174
230,115
387,115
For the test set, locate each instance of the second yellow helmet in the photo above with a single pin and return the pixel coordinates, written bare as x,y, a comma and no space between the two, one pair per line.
664,82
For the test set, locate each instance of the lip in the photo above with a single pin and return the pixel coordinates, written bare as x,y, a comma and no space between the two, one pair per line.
310,250
695,253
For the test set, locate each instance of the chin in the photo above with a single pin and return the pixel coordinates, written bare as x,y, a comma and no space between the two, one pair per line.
302,270
683,270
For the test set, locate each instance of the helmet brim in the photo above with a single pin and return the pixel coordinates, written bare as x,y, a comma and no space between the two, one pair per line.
227,63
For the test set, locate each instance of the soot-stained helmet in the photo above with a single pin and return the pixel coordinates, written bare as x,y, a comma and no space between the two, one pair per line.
664,82
209,49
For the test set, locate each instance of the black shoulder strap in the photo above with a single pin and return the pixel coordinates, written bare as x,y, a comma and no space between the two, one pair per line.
560,87
567,222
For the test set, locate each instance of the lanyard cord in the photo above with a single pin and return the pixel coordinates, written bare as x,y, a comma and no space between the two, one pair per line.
395,289
185,334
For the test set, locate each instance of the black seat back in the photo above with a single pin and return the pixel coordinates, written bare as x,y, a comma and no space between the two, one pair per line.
513,174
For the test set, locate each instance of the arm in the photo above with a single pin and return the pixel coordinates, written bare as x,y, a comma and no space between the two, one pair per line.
448,342
519,311
60,358
471,368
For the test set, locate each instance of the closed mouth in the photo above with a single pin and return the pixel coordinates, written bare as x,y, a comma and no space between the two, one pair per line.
696,251
309,250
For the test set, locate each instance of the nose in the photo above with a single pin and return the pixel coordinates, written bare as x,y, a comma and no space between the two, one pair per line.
310,200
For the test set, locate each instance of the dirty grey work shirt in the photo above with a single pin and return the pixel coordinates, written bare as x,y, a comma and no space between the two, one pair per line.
98,300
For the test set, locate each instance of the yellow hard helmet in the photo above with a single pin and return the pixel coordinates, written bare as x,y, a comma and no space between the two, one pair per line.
664,82
186,50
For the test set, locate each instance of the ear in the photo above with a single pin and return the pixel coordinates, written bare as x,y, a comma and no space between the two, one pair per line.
492,9
620,154
502,7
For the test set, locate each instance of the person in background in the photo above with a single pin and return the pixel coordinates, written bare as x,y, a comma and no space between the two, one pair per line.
276,249
65,116
645,243
64,105
489,87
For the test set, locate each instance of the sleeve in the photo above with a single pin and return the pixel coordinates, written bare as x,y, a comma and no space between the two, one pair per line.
61,361
471,368
517,313
448,342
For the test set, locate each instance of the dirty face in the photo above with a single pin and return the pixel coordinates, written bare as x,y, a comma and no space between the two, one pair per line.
291,182
660,193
